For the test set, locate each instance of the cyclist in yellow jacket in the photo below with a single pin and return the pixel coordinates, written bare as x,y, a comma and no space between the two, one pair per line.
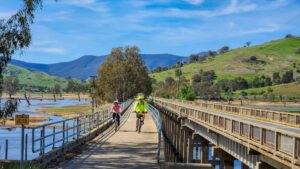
140,108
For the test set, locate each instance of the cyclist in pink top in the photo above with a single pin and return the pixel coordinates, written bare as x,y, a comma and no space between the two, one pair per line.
116,110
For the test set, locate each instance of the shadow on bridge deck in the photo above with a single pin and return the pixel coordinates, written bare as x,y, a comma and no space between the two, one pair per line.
124,149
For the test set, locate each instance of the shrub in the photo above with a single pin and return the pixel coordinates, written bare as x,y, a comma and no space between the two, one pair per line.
253,58
186,93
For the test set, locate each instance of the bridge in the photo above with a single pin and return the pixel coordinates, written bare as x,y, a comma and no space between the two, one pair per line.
176,134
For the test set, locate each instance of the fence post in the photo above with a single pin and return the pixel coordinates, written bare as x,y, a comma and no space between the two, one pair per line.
6,149
22,146
53,146
67,132
63,141
26,145
78,125
43,139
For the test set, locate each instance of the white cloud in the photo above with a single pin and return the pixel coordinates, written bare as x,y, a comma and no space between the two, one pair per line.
51,50
194,2
92,5
264,29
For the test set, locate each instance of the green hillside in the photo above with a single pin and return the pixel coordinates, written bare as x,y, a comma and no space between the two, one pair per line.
278,55
290,89
34,78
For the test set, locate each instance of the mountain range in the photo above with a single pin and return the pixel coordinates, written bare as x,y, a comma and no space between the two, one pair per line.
87,65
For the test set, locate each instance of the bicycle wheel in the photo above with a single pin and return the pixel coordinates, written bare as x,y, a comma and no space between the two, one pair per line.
140,125
116,125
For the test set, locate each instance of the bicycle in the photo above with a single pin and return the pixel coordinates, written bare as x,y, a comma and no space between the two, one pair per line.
116,121
140,123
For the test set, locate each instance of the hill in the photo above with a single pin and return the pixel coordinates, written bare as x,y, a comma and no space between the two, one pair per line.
87,65
274,56
290,90
33,78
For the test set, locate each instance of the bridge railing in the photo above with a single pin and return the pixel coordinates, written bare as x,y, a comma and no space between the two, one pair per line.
277,142
276,116
56,135
156,117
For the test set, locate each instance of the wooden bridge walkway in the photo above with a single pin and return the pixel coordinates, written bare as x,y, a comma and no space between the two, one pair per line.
124,149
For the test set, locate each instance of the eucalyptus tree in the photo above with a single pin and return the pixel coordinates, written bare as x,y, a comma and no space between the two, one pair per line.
15,35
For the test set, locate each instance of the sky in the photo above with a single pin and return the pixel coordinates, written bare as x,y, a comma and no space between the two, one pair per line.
68,29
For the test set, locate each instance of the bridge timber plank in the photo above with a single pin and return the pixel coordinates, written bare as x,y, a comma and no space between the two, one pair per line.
124,149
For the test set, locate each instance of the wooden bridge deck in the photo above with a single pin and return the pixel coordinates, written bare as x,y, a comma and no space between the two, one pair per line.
124,149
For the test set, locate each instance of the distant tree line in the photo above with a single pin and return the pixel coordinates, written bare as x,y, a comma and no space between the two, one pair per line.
206,86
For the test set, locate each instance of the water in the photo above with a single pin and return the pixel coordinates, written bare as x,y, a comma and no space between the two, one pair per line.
279,108
237,163
14,135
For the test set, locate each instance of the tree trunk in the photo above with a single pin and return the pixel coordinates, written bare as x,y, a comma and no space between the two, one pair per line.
78,96
54,97
27,99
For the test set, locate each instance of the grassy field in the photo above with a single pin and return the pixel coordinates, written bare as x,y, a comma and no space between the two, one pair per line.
278,55
291,90
67,110
34,78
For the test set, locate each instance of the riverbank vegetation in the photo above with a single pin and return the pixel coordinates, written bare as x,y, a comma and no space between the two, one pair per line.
66,111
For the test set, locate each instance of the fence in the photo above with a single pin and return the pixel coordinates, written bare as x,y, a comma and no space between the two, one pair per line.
276,116
278,143
57,135
156,117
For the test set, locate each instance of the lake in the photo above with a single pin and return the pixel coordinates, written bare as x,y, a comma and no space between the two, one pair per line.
14,135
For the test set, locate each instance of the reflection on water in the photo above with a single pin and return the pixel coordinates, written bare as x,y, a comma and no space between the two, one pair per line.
14,134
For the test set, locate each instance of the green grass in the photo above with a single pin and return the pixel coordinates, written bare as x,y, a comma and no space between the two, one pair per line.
279,56
67,110
290,90
34,78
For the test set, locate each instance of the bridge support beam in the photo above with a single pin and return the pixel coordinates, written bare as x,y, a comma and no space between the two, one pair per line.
227,161
204,152
244,166
190,147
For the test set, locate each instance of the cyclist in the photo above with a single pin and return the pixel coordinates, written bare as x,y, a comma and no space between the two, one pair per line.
140,108
116,110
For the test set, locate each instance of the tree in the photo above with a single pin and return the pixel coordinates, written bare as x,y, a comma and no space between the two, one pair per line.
253,58
11,85
123,75
15,35
186,93
224,49
56,90
276,78
193,58
211,53
178,74
169,81
248,43
79,88
289,36
229,93
288,77
70,86
243,96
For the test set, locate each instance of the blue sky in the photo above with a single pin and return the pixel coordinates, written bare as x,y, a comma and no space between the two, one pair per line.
68,29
